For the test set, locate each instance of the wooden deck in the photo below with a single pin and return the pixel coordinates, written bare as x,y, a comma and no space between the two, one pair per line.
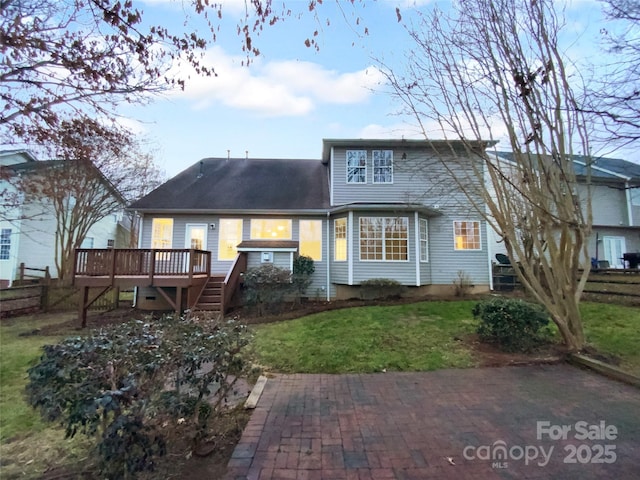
108,268
140,267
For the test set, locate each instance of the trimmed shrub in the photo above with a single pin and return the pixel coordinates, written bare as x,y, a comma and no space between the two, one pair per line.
511,324
266,286
303,268
381,288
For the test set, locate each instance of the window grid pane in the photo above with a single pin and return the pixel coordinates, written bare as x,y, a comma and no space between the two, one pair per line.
356,166
467,235
340,239
5,243
382,166
161,233
424,242
384,239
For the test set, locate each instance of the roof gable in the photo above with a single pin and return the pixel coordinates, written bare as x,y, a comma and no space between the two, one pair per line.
218,184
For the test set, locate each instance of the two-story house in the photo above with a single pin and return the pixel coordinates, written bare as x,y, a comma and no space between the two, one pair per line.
28,226
366,209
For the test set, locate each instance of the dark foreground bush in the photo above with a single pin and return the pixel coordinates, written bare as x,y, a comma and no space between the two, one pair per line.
513,325
127,385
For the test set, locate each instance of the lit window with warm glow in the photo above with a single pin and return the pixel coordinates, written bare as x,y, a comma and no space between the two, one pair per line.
270,229
340,239
161,232
467,235
311,238
229,237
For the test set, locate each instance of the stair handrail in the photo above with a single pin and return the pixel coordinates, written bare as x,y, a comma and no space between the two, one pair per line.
232,280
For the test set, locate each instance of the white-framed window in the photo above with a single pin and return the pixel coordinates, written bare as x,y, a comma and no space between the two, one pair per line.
270,229
356,166
162,233
635,196
384,239
424,240
466,235
5,244
229,237
382,166
311,239
340,239
111,243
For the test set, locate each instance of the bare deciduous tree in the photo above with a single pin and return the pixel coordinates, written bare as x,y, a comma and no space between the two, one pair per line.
80,58
97,177
613,100
492,69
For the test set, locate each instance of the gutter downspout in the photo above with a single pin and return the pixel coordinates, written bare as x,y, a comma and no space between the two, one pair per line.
328,259
135,289
627,190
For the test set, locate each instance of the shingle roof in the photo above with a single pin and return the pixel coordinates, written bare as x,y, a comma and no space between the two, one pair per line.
219,184
602,167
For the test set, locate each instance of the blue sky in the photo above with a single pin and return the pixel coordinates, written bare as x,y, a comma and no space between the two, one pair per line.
291,97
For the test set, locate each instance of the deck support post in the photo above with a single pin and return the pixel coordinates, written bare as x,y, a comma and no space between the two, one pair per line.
178,300
82,314
86,302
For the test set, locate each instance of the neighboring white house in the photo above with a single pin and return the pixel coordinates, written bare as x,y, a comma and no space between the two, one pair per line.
27,229
614,187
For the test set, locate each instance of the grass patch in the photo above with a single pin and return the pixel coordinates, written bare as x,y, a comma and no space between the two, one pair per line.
614,330
412,337
27,444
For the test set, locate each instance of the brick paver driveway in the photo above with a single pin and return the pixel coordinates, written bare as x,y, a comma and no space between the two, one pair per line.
543,422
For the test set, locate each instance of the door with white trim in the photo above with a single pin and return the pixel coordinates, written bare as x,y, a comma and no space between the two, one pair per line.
613,248
196,236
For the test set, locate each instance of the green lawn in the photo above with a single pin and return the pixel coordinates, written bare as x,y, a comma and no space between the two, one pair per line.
615,330
413,337
27,444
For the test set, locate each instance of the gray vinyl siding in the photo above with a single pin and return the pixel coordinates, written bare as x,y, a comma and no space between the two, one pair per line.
419,178
281,259
608,204
446,261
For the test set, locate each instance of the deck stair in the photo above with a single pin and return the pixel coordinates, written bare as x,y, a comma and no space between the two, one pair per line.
211,298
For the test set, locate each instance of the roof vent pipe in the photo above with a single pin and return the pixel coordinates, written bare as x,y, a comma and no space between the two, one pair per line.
201,169
228,154
246,154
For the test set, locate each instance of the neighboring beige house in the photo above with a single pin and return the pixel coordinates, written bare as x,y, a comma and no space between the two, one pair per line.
615,200
27,229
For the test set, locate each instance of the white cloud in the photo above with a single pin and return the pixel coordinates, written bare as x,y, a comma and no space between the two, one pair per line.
276,88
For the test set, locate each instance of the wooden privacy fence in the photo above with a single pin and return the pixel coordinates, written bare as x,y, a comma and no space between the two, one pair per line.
23,299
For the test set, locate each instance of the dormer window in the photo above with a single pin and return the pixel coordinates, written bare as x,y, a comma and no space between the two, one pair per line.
382,166
356,166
